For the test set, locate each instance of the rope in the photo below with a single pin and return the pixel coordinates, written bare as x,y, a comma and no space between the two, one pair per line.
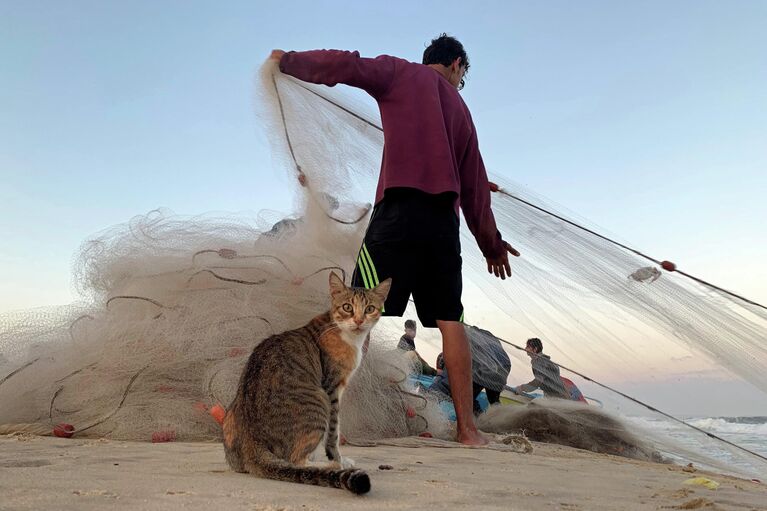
241,318
649,407
632,250
16,371
73,323
295,161
343,272
132,297
226,279
321,96
117,409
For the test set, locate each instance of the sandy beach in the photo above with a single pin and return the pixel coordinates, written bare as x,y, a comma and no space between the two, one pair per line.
75,474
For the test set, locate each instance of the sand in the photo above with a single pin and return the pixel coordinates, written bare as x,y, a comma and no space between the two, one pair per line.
75,474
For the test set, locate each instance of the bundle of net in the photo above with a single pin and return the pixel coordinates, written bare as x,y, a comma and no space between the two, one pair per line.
172,306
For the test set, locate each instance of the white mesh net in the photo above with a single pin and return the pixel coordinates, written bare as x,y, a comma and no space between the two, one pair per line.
172,305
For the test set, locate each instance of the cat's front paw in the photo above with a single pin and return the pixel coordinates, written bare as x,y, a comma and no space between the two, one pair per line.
343,463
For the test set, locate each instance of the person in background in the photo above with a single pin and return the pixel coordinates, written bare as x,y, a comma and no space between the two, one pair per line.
545,371
407,343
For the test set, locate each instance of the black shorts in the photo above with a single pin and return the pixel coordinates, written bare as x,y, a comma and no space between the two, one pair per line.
413,238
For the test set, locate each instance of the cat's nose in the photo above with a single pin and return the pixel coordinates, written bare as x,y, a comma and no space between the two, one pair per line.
359,321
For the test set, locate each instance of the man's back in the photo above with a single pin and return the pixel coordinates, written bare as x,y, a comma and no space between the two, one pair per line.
490,362
547,374
427,130
430,142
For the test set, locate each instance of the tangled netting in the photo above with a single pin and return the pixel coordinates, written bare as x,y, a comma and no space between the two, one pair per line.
172,306
570,424
181,304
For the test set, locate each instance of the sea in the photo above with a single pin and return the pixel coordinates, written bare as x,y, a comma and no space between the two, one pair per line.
748,433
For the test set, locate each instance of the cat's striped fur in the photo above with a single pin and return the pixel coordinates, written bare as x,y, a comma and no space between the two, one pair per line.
290,391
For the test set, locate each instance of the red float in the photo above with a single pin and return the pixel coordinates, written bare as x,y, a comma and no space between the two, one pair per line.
218,413
159,437
63,430
668,266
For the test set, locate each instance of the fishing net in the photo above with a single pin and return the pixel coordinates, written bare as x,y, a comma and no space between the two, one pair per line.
171,306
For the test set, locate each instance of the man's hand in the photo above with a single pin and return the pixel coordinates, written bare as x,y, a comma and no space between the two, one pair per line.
499,266
276,55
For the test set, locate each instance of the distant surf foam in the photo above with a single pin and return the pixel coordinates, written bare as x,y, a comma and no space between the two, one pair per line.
749,432
756,426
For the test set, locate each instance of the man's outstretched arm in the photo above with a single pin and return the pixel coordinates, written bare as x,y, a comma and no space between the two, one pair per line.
475,203
529,387
331,67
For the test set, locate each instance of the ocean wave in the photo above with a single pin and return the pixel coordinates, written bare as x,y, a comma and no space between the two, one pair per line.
745,420
731,425
754,428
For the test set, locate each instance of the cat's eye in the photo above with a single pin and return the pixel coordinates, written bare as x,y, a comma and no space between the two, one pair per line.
370,309
347,307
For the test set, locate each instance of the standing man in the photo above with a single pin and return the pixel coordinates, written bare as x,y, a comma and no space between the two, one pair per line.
431,166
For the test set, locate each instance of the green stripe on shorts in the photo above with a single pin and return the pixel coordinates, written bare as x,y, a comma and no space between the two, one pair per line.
363,271
372,275
372,267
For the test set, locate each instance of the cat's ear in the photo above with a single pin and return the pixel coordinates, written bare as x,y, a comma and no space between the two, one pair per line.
382,289
336,284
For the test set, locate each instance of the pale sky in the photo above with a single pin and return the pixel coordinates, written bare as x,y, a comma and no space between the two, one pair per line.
647,118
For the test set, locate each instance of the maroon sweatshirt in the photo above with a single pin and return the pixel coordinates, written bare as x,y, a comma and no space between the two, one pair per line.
430,142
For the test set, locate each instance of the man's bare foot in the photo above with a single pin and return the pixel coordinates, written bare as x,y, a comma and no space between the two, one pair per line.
472,437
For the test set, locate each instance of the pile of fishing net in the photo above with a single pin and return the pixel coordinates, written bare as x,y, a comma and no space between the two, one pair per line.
171,306
177,305
572,424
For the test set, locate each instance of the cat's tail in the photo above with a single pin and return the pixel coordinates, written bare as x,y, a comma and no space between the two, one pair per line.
269,466
355,480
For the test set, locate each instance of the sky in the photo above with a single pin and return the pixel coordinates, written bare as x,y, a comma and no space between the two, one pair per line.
646,118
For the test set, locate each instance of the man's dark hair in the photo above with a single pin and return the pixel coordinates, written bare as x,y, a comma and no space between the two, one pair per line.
536,344
444,49
410,324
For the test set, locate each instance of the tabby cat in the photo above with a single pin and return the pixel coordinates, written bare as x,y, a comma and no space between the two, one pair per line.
289,393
